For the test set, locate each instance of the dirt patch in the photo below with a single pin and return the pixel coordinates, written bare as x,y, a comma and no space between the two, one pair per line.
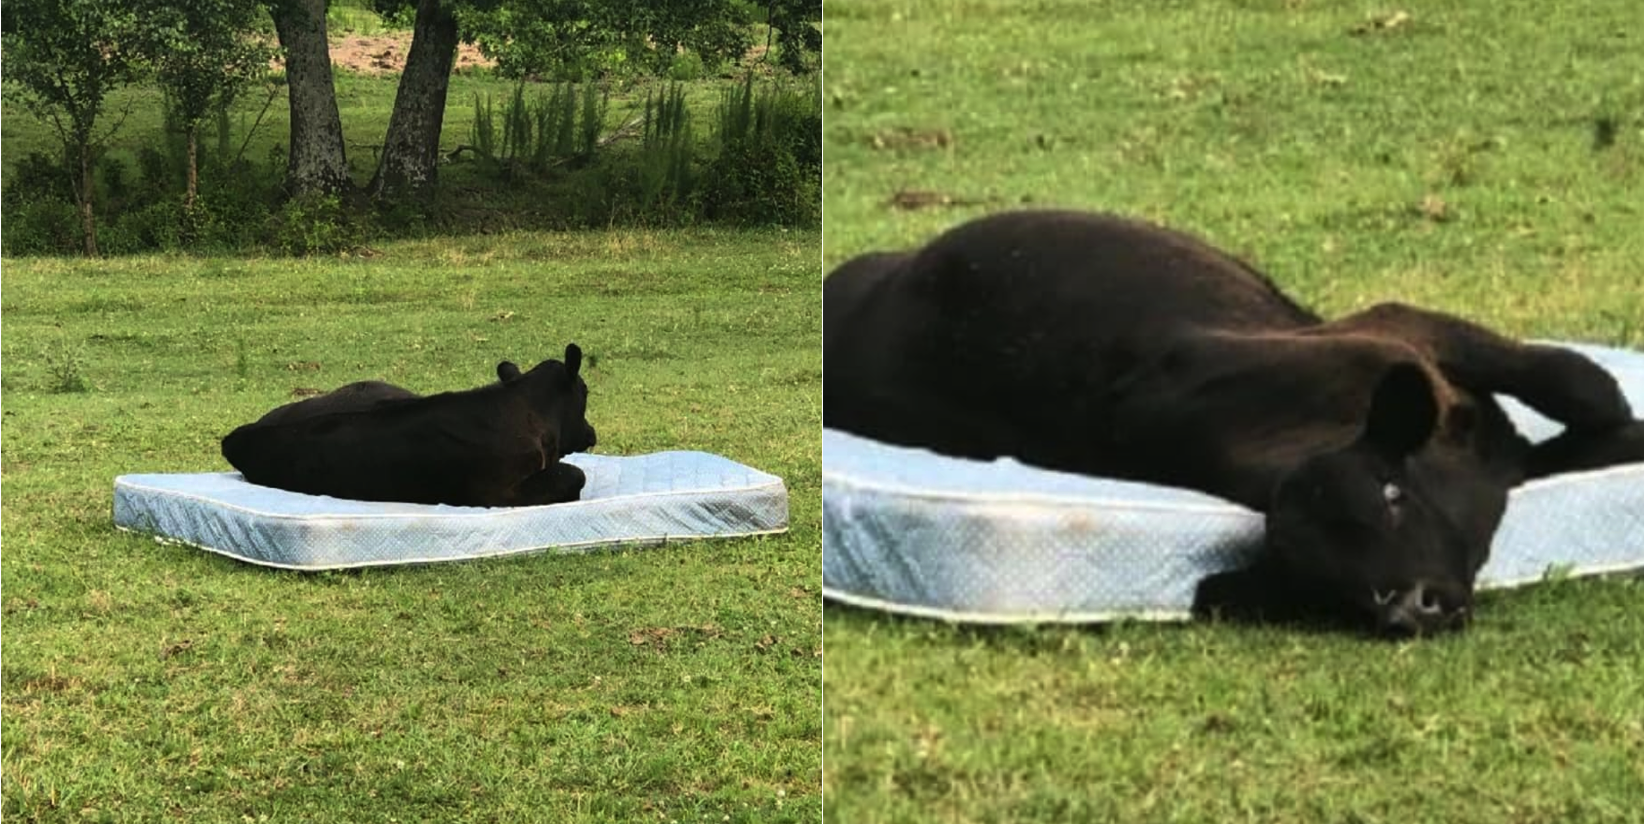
903,137
911,199
385,54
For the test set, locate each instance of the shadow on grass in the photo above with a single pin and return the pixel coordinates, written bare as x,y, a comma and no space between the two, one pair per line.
1031,637
501,566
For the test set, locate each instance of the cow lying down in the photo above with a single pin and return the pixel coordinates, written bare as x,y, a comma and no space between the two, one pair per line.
498,445
1373,444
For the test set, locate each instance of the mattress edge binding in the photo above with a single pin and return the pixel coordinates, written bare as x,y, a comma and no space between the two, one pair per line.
585,546
857,482
481,512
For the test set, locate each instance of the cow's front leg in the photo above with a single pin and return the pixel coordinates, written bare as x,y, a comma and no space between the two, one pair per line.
1559,383
1576,450
556,483
1261,594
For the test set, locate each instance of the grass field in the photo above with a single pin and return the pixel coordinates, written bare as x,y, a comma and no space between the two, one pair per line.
1479,158
145,682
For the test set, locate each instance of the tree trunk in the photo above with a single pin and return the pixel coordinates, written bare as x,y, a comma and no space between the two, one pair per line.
318,161
88,190
411,151
193,167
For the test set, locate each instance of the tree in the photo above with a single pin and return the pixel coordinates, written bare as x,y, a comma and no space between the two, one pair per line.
65,56
203,56
410,153
800,37
558,37
318,160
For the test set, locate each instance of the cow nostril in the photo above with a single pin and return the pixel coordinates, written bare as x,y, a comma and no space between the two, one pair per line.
1415,611
1427,599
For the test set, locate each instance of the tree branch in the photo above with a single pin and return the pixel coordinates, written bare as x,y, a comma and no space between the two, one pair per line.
273,92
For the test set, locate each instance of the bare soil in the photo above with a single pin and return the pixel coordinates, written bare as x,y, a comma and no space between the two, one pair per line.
385,53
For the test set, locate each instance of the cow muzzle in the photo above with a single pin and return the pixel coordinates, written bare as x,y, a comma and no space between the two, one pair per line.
1422,609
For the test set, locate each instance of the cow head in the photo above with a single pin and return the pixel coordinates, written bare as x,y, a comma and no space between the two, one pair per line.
561,390
1392,528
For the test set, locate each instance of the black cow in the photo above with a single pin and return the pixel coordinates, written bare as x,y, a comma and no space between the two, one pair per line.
498,445
350,397
355,396
1106,346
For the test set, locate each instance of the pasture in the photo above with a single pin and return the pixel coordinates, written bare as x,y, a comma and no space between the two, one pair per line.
150,682
1481,159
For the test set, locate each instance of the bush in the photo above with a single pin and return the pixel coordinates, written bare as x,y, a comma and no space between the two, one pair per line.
235,202
40,177
158,174
116,186
39,227
38,210
148,228
761,182
316,224
687,66
769,165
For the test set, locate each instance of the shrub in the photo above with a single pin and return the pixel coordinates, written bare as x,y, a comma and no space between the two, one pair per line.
64,364
39,227
37,211
235,201
152,227
687,66
157,174
40,177
761,182
116,186
316,224
769,165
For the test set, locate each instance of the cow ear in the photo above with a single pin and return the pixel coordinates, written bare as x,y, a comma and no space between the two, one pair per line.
573,359
1403,411
507,371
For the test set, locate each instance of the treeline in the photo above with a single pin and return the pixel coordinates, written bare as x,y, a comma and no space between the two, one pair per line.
195,187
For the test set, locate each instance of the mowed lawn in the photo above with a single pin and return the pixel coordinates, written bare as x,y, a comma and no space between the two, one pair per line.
1479,158
148,682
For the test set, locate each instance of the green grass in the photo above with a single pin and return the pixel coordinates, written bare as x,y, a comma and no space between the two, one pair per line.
1271,130
355,19
149,682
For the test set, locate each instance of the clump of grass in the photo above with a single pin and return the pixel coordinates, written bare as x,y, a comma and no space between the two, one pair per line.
559,126
65,364
666,174
1604,130
1461,160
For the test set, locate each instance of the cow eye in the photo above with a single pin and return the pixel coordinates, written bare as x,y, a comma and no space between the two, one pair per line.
1391,493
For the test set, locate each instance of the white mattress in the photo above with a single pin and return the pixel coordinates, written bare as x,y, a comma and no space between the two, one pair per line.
642,499
909,531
